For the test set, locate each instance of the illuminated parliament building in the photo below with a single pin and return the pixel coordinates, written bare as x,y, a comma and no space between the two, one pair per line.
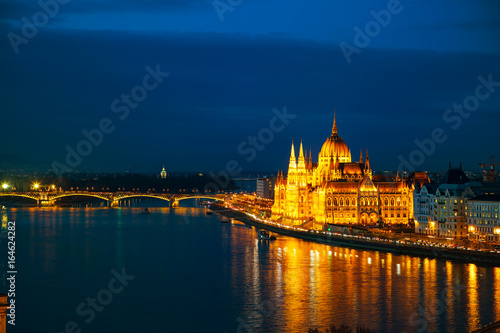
337,190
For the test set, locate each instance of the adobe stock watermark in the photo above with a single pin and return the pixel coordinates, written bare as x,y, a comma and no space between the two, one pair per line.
434,308
29,28
372,29
249,148
223,6
88,309
121,107
453,116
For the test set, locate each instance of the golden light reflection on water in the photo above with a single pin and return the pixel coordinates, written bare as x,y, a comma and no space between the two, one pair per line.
496,290
290,285
473,297
315,285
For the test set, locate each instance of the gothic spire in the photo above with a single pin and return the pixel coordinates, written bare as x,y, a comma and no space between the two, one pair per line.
301,152
334,128
361,156
367,160
310,159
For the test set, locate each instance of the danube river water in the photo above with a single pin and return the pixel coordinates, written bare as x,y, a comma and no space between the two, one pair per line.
178,270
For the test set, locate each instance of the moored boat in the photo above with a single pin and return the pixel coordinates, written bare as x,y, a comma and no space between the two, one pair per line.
265,235
225,219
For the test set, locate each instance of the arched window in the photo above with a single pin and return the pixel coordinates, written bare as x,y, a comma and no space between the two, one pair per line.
354,202
362,202
386,202
398,202
335,202
329,202
347,202
392,201
301,198
368,202
282,196
341,201
404,203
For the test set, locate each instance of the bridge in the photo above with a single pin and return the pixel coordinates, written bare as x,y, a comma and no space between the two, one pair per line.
112,198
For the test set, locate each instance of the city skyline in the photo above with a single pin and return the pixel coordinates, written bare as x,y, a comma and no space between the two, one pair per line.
250,166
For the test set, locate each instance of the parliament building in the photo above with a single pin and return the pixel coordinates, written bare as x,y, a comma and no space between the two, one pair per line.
339,191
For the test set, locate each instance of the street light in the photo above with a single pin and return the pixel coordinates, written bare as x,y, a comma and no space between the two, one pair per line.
5,186
36,186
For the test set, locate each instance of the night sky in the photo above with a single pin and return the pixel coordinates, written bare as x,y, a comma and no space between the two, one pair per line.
230,63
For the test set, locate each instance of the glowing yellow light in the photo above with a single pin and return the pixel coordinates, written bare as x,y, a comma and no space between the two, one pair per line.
36,185
497,231
471,228
53,186
4,186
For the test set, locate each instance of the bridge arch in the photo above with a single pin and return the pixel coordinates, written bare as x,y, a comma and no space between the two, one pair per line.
178,198
127,196
19,195
65,195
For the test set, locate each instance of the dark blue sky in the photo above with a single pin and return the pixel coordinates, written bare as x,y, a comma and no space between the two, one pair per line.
226,76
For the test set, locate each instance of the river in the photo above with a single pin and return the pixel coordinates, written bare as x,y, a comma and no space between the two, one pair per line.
101,269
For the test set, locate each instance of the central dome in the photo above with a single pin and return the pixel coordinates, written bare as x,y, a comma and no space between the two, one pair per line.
334,146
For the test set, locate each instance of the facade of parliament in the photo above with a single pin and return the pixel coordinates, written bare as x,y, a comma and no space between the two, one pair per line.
339,191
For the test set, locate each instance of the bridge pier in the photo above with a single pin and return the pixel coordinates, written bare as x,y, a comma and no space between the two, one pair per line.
174,203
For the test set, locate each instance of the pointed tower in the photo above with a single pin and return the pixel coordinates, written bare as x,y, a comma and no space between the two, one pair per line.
361,156
334,128
367,164
310,165
292,155
302,162
292,167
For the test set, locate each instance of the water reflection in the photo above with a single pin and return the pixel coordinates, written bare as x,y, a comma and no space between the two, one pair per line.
315,285
286,285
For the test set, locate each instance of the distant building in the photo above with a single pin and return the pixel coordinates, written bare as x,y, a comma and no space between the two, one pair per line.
265,188
419,178
163,173
483,218
423,200
440,208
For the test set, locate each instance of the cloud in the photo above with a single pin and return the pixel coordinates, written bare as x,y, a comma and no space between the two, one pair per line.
15,9
222,89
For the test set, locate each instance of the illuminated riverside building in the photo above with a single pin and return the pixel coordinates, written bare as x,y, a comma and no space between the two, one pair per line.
483,218
337,190
440,208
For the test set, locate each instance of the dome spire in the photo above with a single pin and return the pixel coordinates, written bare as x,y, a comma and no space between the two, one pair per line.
334,128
